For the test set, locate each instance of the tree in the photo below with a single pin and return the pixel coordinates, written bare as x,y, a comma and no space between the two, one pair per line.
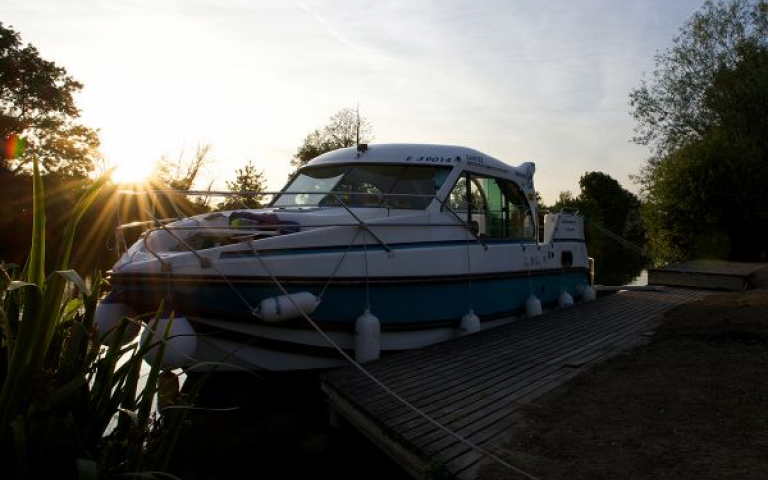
708,198
610,211
703,115
670,108
247,179
602,199
181,174
612,203
37,107
565,199
346,128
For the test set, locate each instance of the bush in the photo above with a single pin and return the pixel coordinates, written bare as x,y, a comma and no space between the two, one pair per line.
68,407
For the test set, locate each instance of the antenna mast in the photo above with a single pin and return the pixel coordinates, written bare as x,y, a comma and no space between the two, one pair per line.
357,124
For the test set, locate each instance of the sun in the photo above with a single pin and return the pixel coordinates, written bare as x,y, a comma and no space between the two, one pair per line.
128,171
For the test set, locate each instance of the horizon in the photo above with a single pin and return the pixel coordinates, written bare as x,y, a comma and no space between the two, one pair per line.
517,82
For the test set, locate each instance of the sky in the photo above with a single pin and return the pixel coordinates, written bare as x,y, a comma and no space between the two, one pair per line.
542,81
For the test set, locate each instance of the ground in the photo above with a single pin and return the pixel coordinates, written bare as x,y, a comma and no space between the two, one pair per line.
692,404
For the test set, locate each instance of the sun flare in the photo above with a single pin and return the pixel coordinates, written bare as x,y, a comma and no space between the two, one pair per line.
132,172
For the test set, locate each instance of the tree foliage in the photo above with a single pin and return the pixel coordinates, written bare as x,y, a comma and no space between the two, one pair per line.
670,108
344,129
602,199
37,106
704,115
615,204
708,198
606,205
247,179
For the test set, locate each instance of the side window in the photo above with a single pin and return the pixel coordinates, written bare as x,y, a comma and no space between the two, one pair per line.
458,198
498,208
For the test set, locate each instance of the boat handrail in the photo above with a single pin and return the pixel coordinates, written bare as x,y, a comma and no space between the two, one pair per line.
157,224
287,225
161,224
255,193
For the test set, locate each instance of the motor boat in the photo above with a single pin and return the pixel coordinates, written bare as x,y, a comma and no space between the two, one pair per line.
370,249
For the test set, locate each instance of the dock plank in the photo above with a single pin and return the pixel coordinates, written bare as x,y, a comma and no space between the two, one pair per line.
480,347
493,407
477,385
499,383
576,335
471,374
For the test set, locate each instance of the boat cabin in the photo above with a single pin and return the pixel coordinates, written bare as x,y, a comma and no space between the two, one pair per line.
496,199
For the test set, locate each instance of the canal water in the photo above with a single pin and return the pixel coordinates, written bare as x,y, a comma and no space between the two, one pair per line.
616,265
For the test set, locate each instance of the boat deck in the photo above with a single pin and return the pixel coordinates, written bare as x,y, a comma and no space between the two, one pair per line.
476,385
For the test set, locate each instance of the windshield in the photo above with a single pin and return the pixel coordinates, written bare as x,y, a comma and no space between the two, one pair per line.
393,186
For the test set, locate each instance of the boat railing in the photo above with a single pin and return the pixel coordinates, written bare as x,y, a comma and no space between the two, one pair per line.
156,224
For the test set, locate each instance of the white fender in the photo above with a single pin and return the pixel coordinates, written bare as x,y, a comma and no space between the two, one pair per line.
565,300
588,294
286,307
180,346
469,324
367,337
109,312
532,306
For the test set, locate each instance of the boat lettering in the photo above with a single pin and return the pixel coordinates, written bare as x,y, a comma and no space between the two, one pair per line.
429,159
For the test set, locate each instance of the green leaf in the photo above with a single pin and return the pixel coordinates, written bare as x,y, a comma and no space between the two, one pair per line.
7,332
19,284
71,309
73,277
36,272
62,262
54,291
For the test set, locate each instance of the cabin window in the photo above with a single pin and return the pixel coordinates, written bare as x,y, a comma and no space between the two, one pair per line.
306,182
493,207
392,186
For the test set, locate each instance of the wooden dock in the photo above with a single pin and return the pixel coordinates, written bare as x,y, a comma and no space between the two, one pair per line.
711,275
476,385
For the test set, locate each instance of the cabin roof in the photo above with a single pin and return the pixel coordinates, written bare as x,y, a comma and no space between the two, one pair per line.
424,154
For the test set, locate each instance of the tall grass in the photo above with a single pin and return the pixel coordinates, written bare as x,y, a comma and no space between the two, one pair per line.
68,407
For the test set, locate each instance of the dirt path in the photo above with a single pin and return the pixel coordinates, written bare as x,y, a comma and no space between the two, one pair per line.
692,404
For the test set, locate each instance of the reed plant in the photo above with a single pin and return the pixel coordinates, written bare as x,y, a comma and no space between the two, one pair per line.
69,406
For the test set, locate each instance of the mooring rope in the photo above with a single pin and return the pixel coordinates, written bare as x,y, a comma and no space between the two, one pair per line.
346,356
388,390
210,261
367,279
622,241
469,272
527,262
338,265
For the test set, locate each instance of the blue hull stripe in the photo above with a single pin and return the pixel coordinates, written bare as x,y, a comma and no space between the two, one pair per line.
393,303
